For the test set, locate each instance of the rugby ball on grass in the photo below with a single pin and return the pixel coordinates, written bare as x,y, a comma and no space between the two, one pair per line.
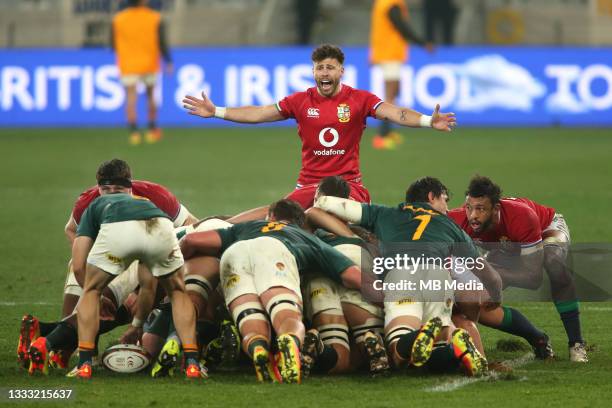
126,358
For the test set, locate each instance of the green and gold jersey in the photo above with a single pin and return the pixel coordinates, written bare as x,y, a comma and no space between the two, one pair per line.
424,230
310,252
335,240
110,208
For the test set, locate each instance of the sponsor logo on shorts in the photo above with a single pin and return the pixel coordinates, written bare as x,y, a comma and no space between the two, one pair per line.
404,302
280,266
318,292
114,259
175,254
313,113
232,281
449,303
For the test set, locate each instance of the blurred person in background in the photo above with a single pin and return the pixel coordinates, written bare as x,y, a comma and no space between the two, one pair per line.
390,36
440,15
306,11
138,39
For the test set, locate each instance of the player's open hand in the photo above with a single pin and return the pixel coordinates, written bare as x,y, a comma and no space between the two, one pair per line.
199,107
443,121
133,335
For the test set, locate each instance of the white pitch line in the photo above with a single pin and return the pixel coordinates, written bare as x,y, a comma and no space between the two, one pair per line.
583,307
462,382
28,303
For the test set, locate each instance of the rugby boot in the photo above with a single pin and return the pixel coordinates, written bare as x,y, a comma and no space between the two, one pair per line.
311,349
424,342
473,363
28,332
578,354
265,368
230,342
167,360
289,361
59,358
213,353
83,372
39,356
135,138
542,348
153,135
376,353
196,371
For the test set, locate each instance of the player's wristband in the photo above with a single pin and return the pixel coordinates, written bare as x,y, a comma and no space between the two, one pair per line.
136,322
220,112
425,121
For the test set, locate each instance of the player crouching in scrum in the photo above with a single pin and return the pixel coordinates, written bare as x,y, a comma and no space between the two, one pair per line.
332,309
414,323
115,230
260,266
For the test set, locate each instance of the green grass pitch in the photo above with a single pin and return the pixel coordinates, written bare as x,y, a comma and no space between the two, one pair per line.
224,171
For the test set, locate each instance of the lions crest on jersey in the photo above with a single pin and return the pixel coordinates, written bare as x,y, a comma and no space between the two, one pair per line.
344,113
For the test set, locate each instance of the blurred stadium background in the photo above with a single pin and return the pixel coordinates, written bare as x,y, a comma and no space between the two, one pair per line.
542,65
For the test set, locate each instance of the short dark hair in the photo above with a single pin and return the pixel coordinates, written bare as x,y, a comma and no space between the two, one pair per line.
114,169
334,186
288,210
481,186
420,189
324,51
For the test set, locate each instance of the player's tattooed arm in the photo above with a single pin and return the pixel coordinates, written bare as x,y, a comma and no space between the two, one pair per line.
412,118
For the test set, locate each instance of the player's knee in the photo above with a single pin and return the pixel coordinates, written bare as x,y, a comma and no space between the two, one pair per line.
172,282
198,286
284,306
555,263
250,317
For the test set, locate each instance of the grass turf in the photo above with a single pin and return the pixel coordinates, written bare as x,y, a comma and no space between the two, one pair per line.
224,171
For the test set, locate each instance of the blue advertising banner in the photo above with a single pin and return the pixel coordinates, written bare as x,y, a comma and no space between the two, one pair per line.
484,86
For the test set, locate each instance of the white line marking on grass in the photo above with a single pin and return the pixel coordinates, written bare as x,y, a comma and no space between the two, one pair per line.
595,308
462,382
582,307
29,303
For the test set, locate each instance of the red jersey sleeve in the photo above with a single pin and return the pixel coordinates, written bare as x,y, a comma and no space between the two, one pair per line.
83,202
288,105
371,102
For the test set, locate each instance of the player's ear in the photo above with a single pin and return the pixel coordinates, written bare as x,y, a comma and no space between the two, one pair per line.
431,197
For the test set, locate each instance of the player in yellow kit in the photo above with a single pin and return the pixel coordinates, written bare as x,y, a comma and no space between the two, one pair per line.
139,42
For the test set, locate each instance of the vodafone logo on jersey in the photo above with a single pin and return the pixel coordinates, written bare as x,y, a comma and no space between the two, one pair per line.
329,137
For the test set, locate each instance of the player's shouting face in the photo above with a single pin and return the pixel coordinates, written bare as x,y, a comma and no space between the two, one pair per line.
480,213
327,74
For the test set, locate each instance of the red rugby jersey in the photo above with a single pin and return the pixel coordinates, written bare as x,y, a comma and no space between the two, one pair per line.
158,194
330,129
